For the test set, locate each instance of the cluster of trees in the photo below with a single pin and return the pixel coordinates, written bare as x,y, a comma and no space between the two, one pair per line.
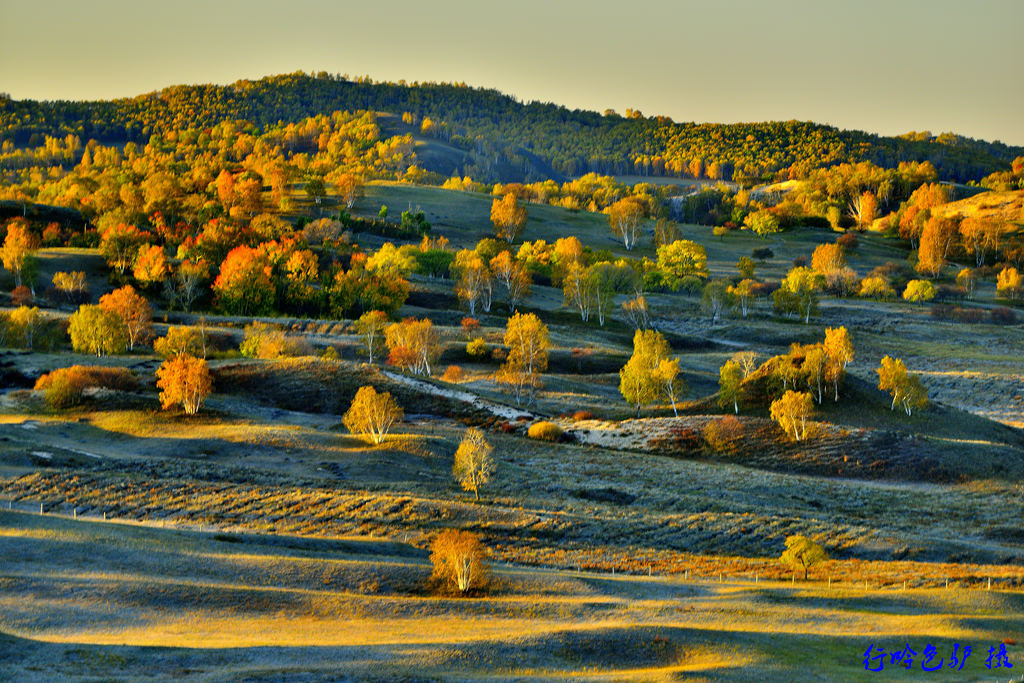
496,130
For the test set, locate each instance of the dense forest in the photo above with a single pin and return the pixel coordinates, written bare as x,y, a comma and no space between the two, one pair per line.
504,139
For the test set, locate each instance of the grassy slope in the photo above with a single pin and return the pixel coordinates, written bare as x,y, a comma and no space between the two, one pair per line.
87,599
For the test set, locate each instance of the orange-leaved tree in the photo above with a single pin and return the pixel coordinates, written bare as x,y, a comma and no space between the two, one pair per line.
184,380
134,311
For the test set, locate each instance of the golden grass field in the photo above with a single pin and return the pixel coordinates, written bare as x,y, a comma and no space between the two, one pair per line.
92,600
260,541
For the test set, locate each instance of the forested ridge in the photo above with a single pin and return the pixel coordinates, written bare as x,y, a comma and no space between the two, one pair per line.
505,139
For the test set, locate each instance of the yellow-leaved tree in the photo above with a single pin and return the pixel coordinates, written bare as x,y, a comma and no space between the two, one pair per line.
792,412
134,311
508,217
458,560
372,414
473,464
528,342
802,553
95,330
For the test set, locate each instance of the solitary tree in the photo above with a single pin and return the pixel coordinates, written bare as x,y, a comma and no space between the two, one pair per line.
743,293
802,553
839,351
906,389
25,321
95,330
680,260
372,414
1010,283
636,313
625,218
792,412
473,464
919,291
458,560
762,223
513,276
370,326
17,252
717,298
412,345
528,342
134,311
640,381
473,284
730,385
180,341
508,217
184,380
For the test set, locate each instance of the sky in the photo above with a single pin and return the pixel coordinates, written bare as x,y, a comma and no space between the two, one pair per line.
885,66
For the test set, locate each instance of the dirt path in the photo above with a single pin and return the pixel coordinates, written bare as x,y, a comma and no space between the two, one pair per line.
497,409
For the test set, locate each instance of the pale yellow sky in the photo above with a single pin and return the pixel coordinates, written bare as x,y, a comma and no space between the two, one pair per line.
885,66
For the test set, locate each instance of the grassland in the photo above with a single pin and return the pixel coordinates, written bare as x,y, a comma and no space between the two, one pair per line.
260,540
86,599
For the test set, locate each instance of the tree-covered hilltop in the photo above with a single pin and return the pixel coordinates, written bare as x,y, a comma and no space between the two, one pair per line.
503,138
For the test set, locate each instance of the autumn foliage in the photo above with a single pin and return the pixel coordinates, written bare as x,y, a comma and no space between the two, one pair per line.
372,414
458,560
184,380
65,387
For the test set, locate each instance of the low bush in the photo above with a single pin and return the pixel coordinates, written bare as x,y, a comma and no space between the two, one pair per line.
263,340
848,240
725,435
1003,316
582,415
544,431
453,374
65,387
477,348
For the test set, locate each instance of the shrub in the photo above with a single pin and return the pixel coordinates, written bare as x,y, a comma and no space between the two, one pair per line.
800,262
22,296
725,435
848,241
582,415
544,431
330,353
968,315
470,326
477,348
762,253
1004,316
65,387
263,340
453,374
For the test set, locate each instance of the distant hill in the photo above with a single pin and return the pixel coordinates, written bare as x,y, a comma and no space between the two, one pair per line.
501,138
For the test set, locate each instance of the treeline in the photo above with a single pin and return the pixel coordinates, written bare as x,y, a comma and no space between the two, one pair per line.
504,138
